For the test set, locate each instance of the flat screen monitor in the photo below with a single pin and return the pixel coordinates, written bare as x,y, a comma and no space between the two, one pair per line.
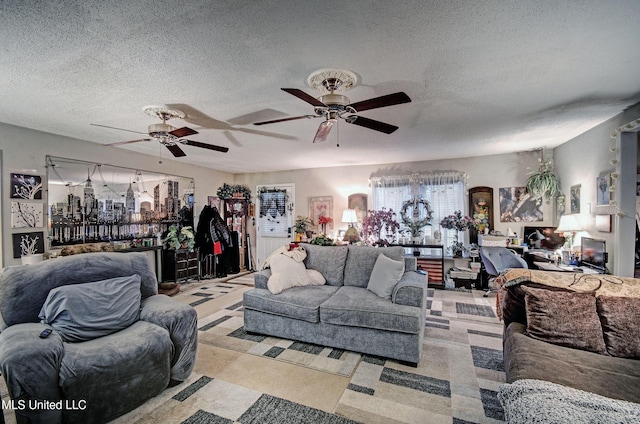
542,238
593,253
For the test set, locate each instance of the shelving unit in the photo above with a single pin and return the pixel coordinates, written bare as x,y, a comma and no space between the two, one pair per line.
180,265
431,259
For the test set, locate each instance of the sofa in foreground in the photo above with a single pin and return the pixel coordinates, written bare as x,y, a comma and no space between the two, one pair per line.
367,300
114,342
578,332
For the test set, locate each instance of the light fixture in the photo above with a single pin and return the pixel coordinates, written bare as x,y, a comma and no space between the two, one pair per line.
349,216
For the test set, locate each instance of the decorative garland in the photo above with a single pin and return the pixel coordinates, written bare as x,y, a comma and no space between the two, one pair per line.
226,191
416,224
264,190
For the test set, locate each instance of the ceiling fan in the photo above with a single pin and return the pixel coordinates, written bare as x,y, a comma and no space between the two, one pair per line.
167,135
332,106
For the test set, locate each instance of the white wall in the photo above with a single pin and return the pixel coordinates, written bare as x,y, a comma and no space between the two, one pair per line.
494,171
24,150
580,161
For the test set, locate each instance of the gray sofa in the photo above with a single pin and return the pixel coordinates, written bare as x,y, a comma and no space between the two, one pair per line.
342,313
101,378
584,349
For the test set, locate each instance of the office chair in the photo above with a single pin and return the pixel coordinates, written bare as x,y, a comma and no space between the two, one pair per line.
497,259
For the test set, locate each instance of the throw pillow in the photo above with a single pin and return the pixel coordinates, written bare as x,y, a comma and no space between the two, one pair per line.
564,318
286,272
86,311
385,275
619,317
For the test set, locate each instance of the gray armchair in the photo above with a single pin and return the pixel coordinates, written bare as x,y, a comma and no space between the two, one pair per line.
97,378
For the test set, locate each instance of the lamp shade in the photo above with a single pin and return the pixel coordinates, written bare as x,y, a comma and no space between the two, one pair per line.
568,224
349,216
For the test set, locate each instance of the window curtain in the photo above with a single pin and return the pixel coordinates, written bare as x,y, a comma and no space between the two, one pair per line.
273,217
444,190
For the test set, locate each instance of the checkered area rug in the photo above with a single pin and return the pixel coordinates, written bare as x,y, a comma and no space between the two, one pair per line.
455,382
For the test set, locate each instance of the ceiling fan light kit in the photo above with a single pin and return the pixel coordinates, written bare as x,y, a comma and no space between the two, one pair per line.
168,135
332,106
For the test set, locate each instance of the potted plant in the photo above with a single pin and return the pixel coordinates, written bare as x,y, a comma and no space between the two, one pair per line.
543,182
182,238
300,225
174,239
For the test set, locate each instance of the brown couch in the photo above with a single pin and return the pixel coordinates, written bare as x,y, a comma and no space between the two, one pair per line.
579,331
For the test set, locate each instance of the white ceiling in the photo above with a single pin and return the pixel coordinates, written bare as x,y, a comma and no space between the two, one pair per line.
485,77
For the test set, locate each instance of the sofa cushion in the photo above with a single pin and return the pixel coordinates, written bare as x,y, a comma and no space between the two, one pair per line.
297,302
358,307
361,260
619,317
287,272
385,276
328,260
87,311
564,318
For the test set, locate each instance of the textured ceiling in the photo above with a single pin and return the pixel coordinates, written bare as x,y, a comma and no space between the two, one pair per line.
485,77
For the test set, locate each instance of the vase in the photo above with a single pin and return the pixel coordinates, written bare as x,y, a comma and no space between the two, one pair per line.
31,259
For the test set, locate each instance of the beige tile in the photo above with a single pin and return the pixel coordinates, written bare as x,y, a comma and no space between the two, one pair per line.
309,387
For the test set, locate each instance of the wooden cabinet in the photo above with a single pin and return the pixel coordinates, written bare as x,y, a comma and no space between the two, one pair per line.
180,265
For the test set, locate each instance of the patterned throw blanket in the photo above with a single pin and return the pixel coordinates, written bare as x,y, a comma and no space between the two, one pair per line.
535,401
601,284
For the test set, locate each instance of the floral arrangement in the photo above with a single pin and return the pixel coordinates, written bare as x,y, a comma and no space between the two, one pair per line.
175,238
375,222
324,220
457,221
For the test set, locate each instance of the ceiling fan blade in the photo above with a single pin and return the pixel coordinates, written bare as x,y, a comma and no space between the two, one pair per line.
183,132
372,124
119,129
205,146
382,101
323,130
127,142
304,96
175,150
273,121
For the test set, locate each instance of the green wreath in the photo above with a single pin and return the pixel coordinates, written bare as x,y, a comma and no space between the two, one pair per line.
416,225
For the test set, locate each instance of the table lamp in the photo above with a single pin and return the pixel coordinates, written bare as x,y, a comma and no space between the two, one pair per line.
349,216
569,226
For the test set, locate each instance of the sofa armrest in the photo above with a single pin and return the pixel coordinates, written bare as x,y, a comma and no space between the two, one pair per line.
30,366
410,290
181,321
260,278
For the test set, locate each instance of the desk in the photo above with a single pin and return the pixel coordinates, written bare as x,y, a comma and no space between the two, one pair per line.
435,270
564,268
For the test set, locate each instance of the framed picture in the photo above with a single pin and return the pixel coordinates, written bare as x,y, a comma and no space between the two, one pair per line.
27,244
27,215
481,209
358,202
603,183
28,187
516,205
575,198
321,206
561,205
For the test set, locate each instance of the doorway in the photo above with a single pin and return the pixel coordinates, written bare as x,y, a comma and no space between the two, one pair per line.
274,209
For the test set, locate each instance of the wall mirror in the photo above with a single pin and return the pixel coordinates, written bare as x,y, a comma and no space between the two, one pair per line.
92,202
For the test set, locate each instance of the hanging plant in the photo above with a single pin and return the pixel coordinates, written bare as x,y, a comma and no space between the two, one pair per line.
543,182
